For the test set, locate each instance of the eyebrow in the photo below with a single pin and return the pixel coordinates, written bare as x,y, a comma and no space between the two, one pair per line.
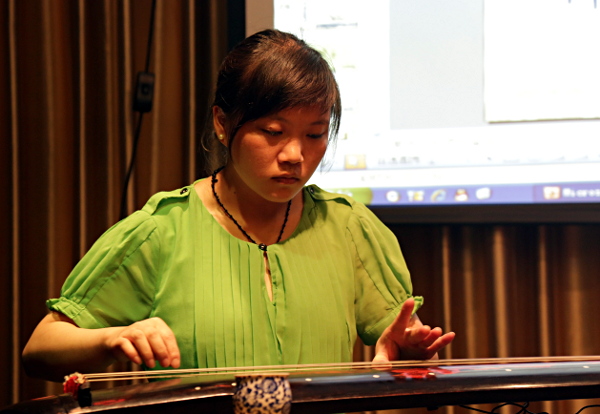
321,121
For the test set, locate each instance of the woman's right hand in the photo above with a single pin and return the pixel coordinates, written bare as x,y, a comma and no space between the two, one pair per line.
146,342
58,347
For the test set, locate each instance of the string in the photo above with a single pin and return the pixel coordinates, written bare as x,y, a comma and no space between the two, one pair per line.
523,408
174,373
586,407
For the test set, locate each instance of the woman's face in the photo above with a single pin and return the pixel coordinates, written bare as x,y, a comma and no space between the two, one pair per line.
274,156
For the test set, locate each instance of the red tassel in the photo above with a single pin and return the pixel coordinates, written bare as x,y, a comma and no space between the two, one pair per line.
73,383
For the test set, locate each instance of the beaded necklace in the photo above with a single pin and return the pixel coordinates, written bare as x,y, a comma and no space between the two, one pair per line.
261,246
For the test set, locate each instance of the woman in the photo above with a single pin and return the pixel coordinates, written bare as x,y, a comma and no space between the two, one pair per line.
247,267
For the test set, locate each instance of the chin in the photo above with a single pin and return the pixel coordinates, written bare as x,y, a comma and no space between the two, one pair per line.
284,196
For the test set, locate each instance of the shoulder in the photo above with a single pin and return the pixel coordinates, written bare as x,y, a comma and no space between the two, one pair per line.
164,201
342,209
320,195
338,201
160,211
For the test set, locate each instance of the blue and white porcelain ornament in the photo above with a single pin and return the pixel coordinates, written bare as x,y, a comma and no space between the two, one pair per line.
262,394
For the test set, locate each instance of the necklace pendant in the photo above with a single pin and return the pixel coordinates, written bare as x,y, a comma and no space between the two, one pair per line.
262,247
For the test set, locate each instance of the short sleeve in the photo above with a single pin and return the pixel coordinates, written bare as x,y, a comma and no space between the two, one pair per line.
114,283
382,282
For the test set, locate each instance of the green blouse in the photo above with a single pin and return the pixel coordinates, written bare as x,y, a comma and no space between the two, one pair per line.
340,274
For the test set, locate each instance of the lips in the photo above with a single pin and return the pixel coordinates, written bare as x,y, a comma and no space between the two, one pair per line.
286,179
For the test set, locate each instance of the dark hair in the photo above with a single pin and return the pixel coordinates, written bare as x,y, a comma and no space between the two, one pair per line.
271,71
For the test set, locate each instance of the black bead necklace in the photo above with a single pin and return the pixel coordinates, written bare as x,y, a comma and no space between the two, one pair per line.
261,246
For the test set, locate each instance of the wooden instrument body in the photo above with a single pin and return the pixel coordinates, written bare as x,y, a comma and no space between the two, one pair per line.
352,389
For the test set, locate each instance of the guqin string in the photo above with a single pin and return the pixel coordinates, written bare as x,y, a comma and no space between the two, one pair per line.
178,373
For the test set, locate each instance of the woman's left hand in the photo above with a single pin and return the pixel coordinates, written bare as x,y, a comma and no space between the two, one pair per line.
407,338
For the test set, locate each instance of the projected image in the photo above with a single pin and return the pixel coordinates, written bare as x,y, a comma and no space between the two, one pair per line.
444,105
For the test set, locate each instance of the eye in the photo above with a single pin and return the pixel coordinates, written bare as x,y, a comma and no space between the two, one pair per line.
317,136
272,132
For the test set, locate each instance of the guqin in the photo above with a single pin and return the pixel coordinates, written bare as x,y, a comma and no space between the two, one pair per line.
338,388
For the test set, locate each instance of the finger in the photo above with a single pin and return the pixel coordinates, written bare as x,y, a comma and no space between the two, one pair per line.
139,338
402,320
166,350
416,336
173,351
442,341
381,361
406,312
125,351
427,337
432,351
158,347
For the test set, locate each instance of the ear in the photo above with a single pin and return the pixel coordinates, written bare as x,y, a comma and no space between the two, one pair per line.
219,124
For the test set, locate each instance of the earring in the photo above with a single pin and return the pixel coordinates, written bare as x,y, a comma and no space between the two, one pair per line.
221,137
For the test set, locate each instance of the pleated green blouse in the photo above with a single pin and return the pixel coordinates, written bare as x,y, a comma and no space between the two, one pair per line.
341,274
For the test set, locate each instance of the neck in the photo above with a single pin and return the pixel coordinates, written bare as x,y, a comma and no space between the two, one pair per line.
261,222
244,201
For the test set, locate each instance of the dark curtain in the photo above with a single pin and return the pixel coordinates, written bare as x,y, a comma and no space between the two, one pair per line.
66,87
67,132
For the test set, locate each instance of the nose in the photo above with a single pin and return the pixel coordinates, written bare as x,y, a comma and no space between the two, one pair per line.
291,151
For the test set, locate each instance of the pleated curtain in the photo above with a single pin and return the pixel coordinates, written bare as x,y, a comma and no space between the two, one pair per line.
513,290
67,129
67,79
